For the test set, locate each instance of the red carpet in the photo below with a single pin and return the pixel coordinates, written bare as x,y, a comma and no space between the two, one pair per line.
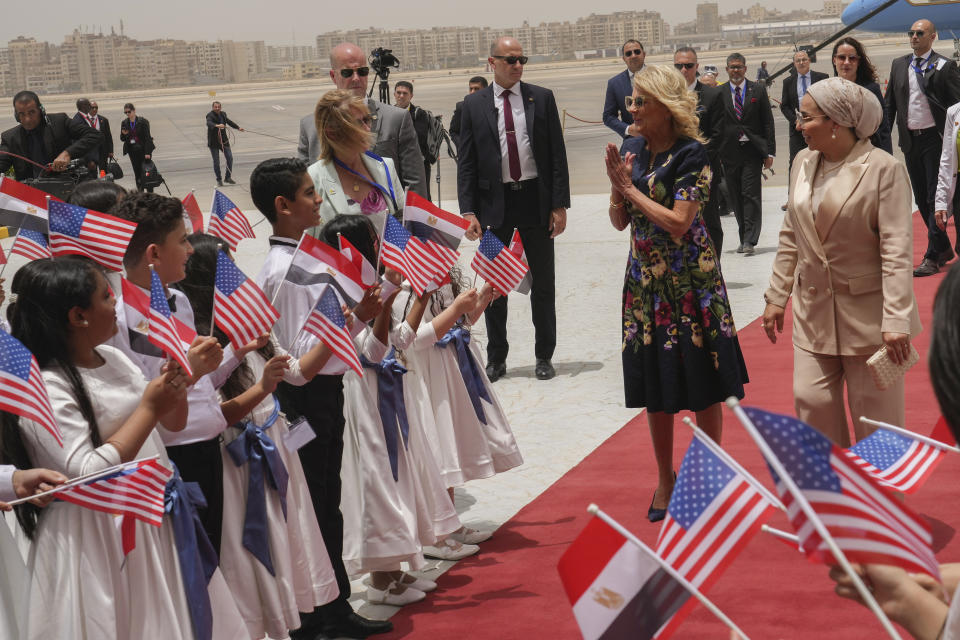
511,589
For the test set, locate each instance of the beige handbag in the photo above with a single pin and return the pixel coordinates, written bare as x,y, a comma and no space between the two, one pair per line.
885,373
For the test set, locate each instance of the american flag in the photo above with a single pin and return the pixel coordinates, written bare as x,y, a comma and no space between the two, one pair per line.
227,221
516,248
495,264
713,513
32,245
22,390
868,524
163,330
75,230
327,323
409,255
192,208
368,274
240,308
898,461
440,230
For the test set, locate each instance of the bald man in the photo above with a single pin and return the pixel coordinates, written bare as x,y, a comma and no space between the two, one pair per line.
512,174
392,127
922,86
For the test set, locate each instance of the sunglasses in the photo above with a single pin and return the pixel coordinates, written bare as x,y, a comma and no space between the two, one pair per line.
843,58
128,112
633,52
919,33
94,108
513,59
684,65
363,72
637,102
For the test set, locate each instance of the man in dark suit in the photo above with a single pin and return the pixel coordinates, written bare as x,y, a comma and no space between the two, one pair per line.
794,88
103,125
217,141
746,144
46,139
922,86
512,173
615,114
476,83
403,96
708,101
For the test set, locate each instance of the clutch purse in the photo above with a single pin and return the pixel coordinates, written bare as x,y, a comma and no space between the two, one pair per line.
884,371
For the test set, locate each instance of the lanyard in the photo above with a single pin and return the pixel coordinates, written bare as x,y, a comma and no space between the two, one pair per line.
373,184
920,70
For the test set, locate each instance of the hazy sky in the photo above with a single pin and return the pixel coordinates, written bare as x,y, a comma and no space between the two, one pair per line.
286,21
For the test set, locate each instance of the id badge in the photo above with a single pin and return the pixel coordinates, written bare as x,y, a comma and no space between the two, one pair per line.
298,434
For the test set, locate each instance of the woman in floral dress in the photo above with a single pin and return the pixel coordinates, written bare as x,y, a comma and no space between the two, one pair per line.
680,347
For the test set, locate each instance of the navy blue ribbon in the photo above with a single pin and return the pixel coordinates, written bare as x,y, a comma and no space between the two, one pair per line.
373,183
198,559
256,447
469,369
392,408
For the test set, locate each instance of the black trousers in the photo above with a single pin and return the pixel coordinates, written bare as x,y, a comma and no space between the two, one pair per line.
522,212
202,463
320,401
711,211
743,187
923,165
136,159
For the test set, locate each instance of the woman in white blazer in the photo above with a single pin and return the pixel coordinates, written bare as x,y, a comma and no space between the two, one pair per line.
351,179
945,202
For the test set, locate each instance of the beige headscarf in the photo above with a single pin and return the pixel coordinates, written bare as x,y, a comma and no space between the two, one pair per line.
848,104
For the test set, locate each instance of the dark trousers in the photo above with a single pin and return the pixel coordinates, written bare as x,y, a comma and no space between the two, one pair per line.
711,212
215,154
923,164
522,212
426,173
202,463
320,401
136,160
743,188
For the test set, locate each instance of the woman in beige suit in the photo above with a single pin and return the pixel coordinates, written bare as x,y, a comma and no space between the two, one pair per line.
846,254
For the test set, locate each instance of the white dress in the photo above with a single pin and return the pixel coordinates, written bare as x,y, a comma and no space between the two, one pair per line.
464,447
304,577
386,521
13,577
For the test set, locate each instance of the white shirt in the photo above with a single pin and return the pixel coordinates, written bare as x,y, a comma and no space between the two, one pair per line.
7,494
919,115
528,167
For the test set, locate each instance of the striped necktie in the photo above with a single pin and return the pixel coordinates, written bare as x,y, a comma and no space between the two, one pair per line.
738,103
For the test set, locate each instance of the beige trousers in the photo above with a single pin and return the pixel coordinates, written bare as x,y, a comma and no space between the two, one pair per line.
818,386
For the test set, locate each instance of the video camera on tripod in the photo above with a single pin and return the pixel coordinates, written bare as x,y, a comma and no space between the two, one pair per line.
382,61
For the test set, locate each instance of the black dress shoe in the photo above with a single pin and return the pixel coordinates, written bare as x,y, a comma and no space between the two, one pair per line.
219,183
355,626
229,181
740,248
496,370
927,268
749,249
544,369
944,257
656,515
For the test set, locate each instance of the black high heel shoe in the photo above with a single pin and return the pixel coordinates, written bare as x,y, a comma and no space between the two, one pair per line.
656,515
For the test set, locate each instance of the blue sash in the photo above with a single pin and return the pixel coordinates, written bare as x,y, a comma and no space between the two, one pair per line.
469,369
392,408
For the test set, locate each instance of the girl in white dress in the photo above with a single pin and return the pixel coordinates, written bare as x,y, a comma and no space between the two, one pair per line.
468,432
291,571
82,586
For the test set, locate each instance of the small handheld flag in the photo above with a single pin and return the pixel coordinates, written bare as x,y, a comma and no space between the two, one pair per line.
22,390
240,307
368,274
192,209
101,237
409,255
316,263
227,221
495,264
327,323
516,248
163,330
32,245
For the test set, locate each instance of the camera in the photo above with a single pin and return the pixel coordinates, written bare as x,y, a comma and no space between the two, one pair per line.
381,60
61,185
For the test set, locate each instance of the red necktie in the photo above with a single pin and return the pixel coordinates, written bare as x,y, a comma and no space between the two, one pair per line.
513,154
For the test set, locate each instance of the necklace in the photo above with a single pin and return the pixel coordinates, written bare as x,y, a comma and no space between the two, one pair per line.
825,171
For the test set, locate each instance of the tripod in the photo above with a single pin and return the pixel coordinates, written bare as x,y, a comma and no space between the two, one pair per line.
384,85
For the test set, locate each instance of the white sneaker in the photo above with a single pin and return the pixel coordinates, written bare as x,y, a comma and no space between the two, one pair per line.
408,596
466,535
450,549
420,584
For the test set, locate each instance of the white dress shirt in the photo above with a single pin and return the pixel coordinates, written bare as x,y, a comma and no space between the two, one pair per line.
528,167
919,115
7,494
947,176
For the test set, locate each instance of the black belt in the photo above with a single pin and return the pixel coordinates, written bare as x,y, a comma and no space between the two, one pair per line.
520,186
916,133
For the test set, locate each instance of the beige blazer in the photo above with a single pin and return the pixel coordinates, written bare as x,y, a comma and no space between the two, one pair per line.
327,183
851,270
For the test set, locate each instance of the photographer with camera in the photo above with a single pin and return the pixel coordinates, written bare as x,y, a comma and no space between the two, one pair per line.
137,142
42,142
403,94
392,128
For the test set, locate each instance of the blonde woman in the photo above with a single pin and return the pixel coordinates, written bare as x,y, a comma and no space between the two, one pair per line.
349,178
680,347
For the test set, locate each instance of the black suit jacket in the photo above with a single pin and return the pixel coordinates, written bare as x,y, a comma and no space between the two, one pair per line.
143,136
421,124
99,155
790,100
941,83
60,133
479,170
214,139
757,124
455,124
709,109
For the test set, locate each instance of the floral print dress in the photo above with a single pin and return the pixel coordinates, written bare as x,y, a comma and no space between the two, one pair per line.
680,347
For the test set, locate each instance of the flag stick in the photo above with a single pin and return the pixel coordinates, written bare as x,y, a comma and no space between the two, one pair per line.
943,446
783,535
595,510
383,230
85,478
708,442
48,227
804,505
